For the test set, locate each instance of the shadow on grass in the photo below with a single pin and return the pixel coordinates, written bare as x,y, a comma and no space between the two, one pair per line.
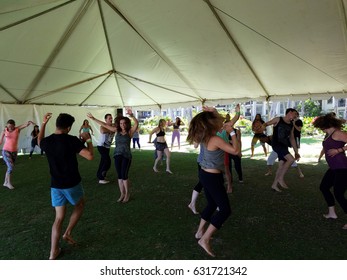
156,224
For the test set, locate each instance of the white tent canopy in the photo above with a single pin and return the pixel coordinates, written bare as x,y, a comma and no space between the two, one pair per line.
160,53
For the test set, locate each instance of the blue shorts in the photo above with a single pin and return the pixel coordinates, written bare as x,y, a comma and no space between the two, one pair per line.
60,197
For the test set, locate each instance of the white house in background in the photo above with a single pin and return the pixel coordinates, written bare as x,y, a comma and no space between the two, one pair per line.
251,108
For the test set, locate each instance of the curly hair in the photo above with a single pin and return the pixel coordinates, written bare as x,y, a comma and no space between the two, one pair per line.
327,121
203,126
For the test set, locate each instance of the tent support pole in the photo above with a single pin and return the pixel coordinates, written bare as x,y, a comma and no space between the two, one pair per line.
236,46
68,86
56,50
9,93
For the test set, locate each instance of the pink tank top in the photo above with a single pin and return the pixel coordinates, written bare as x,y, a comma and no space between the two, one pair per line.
11,142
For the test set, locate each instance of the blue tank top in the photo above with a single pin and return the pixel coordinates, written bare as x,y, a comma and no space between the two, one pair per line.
212,159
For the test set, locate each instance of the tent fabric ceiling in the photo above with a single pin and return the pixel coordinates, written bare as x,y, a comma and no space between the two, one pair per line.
162,53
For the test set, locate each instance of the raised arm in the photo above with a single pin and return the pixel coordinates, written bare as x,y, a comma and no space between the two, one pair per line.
237,115
136,122
46,118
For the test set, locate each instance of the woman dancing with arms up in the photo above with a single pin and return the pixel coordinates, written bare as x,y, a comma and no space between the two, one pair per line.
122,153
160,145
203,129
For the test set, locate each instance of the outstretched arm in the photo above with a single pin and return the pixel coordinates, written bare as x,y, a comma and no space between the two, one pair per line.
274,121
24,125
103,124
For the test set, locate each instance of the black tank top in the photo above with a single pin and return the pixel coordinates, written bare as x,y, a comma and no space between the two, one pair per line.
281,134
161,133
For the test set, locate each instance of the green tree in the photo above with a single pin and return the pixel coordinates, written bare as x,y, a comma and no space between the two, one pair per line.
311,108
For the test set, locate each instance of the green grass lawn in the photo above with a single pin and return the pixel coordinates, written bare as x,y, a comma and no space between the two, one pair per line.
156,224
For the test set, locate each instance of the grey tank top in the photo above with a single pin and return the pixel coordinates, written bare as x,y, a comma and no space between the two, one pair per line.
122,145
212,159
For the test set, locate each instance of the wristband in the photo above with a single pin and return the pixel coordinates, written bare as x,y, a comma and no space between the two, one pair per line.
232,133
89,140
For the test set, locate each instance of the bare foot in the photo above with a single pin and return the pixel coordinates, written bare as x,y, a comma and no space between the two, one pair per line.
169,171
55,254
229,190
206,246
283,184
275,188
268,173
155,170
192,207
301,175
9,186
199,234
120,198
126,199
330,216
345,226
69,239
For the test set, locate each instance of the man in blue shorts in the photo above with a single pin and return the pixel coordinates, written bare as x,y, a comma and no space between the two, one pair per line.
282,139
61,149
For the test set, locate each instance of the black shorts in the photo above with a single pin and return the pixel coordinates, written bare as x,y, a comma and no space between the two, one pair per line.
159,146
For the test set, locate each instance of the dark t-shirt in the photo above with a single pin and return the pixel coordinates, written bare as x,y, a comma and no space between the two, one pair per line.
61,150
281,134
297,133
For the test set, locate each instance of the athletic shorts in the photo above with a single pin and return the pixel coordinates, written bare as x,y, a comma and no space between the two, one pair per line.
161,146
60,197
281,151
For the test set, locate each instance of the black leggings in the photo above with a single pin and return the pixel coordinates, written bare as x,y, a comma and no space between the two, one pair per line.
198,187
238,167
216,196
335,178
122,166
105,162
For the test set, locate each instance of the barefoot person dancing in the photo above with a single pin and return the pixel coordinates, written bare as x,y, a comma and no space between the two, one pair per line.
61,149
9,152
282,139
334,146
203,129
122,153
